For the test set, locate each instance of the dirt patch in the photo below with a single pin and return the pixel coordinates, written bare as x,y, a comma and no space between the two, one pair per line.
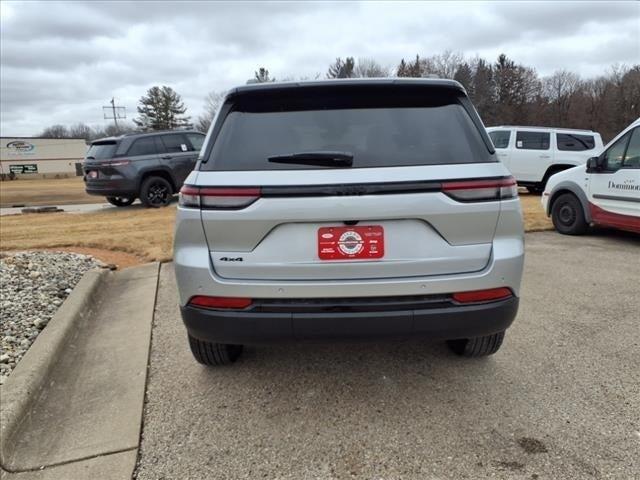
532,445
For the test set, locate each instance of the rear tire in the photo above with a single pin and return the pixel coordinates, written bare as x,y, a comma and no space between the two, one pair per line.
214,354
478,346
155,192
120,201
567,215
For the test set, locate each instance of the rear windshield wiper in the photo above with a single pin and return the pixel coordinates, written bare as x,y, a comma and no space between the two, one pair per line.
319,159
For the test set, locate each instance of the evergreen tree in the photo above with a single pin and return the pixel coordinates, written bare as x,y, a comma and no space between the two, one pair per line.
262,76
342,69
161,109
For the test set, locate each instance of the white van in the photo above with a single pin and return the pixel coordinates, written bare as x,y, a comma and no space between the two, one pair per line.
605,191
533,154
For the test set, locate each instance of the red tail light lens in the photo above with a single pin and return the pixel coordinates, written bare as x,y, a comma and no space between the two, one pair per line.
479,296
232,198
481,190
117,163
229,303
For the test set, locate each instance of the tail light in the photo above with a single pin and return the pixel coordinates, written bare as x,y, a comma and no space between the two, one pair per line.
478,296
227,303
481,190
230,198
117,163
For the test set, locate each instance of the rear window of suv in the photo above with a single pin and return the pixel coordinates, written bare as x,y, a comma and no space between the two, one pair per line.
102,150
574,142
382,130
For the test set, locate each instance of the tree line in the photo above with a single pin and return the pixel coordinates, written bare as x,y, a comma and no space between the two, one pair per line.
504,92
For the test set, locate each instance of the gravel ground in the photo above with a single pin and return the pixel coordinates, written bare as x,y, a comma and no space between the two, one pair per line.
33,286
561,400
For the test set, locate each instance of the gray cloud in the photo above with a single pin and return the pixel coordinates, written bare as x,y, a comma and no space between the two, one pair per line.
60,62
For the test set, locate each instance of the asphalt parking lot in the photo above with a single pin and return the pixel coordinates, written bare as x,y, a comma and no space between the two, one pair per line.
561,400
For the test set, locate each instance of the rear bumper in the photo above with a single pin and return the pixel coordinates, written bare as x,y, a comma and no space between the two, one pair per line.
120,187
439,322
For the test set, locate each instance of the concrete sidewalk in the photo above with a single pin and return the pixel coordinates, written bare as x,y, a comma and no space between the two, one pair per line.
85,423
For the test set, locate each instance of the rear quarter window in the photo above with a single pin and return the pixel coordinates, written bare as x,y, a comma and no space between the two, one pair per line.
377,131
575,143
196,140
500,138
143,146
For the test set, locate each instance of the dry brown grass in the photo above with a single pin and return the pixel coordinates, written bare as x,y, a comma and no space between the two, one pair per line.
146,233
535,219
64,191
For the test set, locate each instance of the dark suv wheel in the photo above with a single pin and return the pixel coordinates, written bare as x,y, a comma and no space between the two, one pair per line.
213,354
567,215
478,346
120,201
155,192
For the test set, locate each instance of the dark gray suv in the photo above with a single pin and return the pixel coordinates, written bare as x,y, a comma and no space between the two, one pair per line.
148,166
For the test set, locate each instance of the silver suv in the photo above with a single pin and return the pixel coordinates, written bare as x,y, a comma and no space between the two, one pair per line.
347,209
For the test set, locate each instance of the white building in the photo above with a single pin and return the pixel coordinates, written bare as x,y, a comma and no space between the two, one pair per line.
29,157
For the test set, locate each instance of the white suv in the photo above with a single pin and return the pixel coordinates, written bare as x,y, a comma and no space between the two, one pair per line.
533,154
605,191
347,208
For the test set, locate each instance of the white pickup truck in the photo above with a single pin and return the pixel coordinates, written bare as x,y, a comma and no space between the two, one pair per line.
605,191
533,154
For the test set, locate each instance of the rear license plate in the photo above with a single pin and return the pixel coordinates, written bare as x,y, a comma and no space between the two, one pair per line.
346,243
92,174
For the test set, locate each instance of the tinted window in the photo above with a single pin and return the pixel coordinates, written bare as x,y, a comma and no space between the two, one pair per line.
143,146
533,140
175,143
377,136
500,138
614,155
632,157
102,151
196,140
573,142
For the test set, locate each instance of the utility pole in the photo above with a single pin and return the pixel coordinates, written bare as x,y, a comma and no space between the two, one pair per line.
114,112
113,107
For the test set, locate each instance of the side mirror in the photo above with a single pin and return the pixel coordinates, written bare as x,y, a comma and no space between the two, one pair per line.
595,164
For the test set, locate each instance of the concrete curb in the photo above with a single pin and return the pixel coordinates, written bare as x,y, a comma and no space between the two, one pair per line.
27,380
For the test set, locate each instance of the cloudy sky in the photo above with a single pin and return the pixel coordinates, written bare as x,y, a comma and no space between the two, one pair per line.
61,62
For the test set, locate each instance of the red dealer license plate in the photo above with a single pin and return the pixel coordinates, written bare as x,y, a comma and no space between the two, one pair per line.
346,243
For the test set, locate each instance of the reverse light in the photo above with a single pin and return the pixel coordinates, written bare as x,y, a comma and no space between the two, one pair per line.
230,198
479,296
228,303
481,190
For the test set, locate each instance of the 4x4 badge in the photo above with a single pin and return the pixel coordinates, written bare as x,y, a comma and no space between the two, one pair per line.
228,259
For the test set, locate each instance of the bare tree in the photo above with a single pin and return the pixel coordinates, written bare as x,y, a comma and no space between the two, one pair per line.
212,103
560,89
444,65
369,68
55,131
